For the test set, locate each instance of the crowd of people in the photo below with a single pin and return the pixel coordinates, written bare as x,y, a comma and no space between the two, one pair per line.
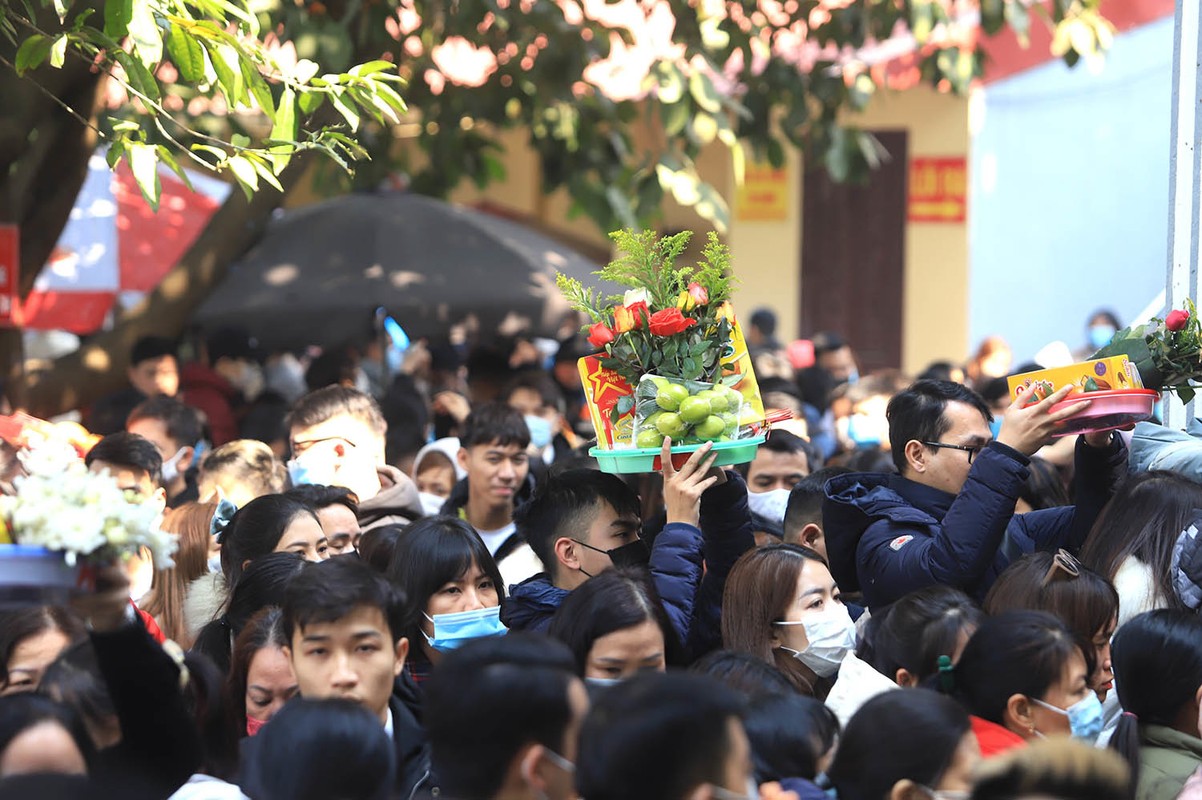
408,580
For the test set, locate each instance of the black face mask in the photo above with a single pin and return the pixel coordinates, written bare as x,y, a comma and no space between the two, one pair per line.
635,554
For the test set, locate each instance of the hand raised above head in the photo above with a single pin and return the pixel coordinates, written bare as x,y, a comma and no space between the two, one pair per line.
683,488
1028,426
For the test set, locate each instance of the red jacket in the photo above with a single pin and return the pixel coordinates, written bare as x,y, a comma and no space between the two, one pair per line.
994,739
152,627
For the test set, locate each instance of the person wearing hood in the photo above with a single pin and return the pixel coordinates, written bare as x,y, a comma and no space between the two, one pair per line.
437,471
948,517
337,436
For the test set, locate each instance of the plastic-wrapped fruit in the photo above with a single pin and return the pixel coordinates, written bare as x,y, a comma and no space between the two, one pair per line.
730,420
711,427
670,424
718,399
694,409
670,397
733,399
649,438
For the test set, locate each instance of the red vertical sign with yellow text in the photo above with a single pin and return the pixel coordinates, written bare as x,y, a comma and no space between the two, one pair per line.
938,190
10,260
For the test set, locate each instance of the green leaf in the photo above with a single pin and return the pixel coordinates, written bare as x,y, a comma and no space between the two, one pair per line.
32,53
60,8
703,91
144,163
244,171
284,129
372,67
348,111
231,82
58,51
257,86
265,172
117,16
217,153
187,54
310,102
147,39
140,79
115,152
166,156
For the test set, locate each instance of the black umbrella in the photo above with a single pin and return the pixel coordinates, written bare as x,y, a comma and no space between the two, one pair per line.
320,272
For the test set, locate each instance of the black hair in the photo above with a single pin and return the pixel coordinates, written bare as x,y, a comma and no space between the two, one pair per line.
1043,489
764,319
205,701
408,417
1157,659
377,545
265,419
19,624
614,600
265,629
262,585
338,366
750,676
255,530
495,423
542,384
937,371
1106,314
566,504
317,497
827,342
183,423
74,680
430,553
149,347
1018,652
318,749
229,342
789,735
915,631
334,401
917,414
1143,518
805,500
994,390
655,736
124,449
897,736
788,443
488,700
20,712
328,591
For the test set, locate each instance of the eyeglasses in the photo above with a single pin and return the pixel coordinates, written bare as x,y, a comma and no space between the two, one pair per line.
301,446
972,450
1065,562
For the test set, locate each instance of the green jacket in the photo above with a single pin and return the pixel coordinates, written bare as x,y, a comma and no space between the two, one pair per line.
1166,760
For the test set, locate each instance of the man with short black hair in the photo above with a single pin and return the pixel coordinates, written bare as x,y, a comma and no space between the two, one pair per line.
133,461
948,517
540,401
803,514
176,430
779,463
153,371
504,717
343,623
337,438
337,510
666,736
492,451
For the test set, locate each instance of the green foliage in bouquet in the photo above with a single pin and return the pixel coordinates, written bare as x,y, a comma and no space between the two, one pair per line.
673,321
1167,352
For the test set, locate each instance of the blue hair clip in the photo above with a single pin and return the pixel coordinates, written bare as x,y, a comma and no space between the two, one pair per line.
222,516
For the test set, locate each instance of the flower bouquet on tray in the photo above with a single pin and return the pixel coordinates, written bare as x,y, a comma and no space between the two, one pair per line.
672,362
1167,352
64,520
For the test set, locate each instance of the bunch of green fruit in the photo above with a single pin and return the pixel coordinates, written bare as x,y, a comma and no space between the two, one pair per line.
708,413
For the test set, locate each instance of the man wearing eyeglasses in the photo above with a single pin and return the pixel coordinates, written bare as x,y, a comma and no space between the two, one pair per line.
948,516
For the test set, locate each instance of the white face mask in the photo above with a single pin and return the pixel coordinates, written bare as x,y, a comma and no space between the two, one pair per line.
171,468
431,503
831,636
769,505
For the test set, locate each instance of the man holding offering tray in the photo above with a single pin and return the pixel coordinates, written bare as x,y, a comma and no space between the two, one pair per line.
948,516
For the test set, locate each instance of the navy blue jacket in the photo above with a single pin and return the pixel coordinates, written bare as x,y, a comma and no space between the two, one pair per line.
727,533
888,536
675,571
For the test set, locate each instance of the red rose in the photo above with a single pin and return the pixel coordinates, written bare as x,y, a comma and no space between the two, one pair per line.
600,335
1176,320
669,321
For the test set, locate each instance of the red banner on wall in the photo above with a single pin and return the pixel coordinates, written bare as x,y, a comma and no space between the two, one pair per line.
938,190
10,260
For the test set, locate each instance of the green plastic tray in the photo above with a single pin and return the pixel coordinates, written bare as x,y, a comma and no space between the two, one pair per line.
648,459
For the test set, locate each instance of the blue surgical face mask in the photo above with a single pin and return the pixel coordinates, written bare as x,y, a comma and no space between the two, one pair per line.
1084,717
541,432
863,431
1100,335
995,427
602,683
214,563
452,630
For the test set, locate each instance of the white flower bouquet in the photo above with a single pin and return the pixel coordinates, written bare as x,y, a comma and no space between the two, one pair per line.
75,514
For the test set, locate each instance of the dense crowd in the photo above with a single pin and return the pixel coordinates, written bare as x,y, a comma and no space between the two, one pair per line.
401,576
